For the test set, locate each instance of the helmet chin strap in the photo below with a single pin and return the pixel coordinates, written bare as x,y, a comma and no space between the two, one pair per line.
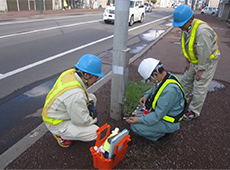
81,74
155,80
86,80
157,70
86,83
190,26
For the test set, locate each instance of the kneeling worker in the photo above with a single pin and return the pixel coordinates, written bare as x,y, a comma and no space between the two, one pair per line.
166,100
69,111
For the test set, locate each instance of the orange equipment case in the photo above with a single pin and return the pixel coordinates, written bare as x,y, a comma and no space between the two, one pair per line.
99,161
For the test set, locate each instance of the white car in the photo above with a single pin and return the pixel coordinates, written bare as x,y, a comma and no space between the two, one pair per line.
209,10
148,7
136,12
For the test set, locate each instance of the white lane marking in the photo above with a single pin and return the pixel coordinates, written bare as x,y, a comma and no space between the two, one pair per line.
47,29
46,19
150,23
51,58
2,76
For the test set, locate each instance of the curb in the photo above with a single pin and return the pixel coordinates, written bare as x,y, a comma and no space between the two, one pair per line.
63,14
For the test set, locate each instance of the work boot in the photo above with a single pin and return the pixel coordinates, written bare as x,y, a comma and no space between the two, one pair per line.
63,142
189,115
163,140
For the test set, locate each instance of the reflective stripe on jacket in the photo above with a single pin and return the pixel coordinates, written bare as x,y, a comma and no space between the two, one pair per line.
191,54
65,82
168,118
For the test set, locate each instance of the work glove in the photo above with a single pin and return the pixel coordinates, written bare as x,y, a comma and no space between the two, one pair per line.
92,109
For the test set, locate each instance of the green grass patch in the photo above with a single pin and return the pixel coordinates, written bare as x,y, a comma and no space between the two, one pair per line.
134,91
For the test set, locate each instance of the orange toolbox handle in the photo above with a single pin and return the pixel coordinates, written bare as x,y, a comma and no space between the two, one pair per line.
125,140
100,141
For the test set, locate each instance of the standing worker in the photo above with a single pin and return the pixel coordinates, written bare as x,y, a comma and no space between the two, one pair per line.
166,100
200,47
69,111
65,5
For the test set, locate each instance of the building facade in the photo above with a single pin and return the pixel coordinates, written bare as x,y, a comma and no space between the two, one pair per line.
224,10
27,5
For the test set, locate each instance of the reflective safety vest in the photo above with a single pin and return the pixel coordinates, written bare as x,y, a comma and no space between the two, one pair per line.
191,54
65,3
168,118
65,82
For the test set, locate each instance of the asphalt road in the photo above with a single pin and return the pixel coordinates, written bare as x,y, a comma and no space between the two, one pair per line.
33,50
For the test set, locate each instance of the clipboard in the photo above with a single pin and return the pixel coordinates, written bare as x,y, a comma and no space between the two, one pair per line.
116,140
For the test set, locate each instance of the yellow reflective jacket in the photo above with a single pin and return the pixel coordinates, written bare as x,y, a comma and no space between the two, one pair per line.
190,55
168,118
65,82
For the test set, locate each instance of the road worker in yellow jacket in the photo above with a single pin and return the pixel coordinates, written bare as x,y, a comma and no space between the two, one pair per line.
69,111
199,44
165,101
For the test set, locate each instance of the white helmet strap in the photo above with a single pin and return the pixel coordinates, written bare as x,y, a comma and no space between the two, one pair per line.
158,66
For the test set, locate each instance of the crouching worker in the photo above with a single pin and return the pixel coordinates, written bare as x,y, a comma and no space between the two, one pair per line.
166,100
69,111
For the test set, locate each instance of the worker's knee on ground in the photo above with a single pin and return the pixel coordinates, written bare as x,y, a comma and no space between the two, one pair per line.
150,135
134,128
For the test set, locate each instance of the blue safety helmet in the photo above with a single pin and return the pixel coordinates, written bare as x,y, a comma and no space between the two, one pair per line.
181,15
90,64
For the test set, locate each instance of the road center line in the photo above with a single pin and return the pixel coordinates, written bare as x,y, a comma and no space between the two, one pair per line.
47,29
2,76
64,17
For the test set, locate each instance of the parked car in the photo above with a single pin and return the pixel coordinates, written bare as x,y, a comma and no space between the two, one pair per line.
148,7
136,12
209,10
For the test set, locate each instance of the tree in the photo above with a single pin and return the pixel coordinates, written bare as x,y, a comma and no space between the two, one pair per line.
153,1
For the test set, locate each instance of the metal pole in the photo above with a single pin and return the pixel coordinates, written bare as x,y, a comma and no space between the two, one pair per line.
40,4
28,4
18,8
192,5
120,59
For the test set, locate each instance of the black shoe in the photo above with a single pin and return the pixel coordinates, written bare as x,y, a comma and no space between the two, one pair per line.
164,139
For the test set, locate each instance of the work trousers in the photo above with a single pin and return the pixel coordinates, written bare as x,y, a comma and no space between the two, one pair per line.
156,131
198,88
69,131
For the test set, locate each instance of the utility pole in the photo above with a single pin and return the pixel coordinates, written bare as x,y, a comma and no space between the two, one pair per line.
120,59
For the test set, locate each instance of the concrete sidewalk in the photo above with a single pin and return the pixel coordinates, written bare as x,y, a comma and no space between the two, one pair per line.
168,50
